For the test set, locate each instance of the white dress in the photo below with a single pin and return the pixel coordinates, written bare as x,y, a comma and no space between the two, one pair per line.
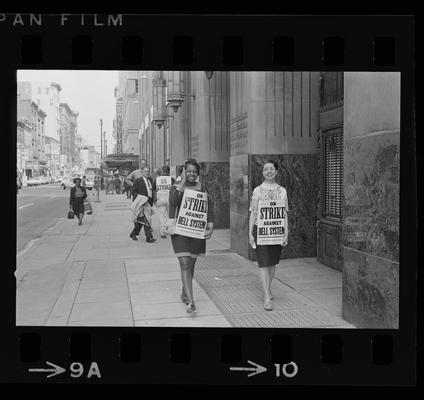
268,191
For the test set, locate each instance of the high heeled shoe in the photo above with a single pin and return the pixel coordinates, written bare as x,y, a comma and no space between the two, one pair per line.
268,306
191,309
184,299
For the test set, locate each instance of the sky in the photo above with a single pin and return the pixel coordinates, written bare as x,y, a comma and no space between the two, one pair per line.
91,93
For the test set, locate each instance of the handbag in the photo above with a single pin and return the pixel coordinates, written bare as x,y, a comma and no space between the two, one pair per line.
170,224
71,214
87,207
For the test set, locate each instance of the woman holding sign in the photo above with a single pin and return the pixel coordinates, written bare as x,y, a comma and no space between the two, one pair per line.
268,226
192,209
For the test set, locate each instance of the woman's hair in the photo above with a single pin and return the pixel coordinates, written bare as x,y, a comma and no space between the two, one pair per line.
271,162
193,162
165,169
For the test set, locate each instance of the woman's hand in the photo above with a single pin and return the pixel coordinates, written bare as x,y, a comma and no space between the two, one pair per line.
252,240
209,230
181,184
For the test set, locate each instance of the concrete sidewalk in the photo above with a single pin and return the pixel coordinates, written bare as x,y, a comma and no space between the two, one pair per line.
95,275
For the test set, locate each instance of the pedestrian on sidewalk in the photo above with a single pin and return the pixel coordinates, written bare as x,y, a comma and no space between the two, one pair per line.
96,185
127,189
117,183
145,187
268,256
187,249
163,186
76,200
136,174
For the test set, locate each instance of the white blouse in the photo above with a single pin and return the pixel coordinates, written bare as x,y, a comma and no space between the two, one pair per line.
267,191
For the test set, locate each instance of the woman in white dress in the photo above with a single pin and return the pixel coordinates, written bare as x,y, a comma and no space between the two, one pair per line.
268,256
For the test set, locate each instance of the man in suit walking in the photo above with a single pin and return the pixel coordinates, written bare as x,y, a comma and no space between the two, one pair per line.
145,187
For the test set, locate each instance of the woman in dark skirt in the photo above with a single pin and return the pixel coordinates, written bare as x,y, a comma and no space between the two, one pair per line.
187,249
268,256
76,200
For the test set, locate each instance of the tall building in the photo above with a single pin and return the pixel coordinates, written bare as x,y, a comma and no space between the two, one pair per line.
128,110
31,125
47,96
117,123
89,157
335,138
77,150
68,126
52,151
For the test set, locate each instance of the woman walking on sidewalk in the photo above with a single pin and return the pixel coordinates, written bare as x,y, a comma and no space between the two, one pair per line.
267,198
187,249
76,200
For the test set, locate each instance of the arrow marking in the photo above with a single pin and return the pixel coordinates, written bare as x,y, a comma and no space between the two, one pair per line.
55,371
258,370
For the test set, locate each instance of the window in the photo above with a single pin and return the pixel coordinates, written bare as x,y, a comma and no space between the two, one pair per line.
47,90
132,86
51,102
39,90
333,170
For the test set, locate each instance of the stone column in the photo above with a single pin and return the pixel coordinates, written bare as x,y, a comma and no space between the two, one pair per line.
371,191
274,115
209,138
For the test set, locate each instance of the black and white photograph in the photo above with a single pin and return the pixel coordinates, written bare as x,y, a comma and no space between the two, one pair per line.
232,199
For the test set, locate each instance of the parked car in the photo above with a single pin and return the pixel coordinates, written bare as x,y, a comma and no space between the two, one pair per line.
33,181
69,182
89,183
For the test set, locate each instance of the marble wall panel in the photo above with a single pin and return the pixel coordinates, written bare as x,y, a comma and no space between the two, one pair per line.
239,203
298,174
216,177
370,291
371,191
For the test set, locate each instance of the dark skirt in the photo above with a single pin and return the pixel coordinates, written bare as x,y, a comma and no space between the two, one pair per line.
269,255
78,206
188,247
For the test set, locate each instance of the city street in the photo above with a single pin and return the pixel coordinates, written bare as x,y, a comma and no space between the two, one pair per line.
95,275
38,209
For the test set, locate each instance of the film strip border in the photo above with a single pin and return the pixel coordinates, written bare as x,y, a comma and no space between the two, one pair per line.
170,355
190,42
157,356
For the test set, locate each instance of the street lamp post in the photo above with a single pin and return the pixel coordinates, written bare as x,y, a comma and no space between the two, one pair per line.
101,167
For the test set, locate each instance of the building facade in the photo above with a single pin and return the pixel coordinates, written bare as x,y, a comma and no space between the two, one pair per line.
52,151
117,123
128,110
89,157
30,134
335,138
47,96
68,132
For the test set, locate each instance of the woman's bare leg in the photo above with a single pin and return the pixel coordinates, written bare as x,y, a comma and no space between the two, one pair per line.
193,263
271,277
265,279
186,277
